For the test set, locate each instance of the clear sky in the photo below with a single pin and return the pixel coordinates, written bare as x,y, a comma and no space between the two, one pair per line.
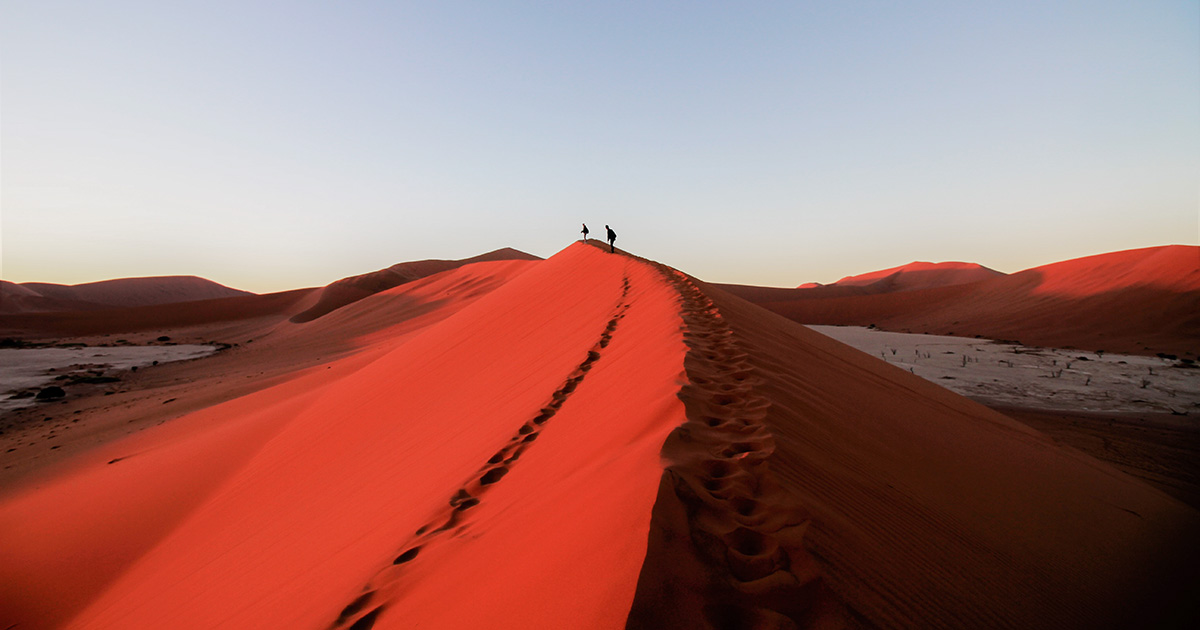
275,145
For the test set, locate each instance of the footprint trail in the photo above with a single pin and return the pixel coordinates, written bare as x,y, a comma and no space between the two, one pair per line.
363,611
726,541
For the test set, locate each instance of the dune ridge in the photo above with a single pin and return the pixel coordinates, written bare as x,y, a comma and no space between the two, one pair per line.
352,289
932,511
386,585
726,545
128,292
592,441
1141,301
919,275
337,480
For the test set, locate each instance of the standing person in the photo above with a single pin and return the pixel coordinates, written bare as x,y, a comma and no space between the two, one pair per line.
585,232
612,238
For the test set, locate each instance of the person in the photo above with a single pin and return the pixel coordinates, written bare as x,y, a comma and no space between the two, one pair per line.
585,232
612,238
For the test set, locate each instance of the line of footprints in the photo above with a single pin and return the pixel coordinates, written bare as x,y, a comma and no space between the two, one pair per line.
468,496
747,528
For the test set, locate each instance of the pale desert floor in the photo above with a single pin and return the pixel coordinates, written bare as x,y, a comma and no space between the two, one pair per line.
1004,374
26,370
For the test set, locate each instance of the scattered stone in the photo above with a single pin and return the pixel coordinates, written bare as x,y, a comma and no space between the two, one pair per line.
53,392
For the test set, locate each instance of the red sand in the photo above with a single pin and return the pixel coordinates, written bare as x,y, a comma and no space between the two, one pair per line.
590,441
310,489
1141,301
126,292
350,290
920,275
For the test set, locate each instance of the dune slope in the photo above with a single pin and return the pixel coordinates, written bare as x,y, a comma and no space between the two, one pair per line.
919,275
591,441
929,510
350,290
1141,301
126,292
508,434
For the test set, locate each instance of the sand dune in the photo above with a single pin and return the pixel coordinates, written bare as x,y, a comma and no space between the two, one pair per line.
929,510
1141,301
126,292
590,441
15,298
350,290
920,275
202,314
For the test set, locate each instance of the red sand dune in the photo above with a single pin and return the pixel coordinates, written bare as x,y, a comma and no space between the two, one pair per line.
15,298
920,275
350,290
203,313
591,441
126,292
910,277
242,315
1138,301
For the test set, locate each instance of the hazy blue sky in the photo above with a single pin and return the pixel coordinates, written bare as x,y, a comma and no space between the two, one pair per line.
274,145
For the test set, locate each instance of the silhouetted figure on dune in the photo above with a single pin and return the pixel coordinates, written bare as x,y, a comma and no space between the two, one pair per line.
585,232
612,238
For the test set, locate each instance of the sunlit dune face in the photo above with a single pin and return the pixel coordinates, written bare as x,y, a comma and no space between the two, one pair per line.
1175,269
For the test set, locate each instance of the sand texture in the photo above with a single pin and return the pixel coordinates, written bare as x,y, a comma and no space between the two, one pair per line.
1140,301
589,441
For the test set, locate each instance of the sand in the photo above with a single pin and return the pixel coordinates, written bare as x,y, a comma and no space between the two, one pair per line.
1141,301
589,441
125,292
919,275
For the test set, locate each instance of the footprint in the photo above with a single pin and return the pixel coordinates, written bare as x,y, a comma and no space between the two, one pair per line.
492,476
367,621
354,606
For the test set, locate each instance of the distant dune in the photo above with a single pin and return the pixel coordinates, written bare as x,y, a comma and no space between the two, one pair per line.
126,292
590,441
1138,301
15,298
920,275
254,312
350,290
910,277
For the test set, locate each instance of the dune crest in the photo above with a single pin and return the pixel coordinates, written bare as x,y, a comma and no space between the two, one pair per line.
919,275
591,441
1140,301
350,290
129,292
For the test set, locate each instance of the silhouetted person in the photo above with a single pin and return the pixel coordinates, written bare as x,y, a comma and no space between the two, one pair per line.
585,231
612,238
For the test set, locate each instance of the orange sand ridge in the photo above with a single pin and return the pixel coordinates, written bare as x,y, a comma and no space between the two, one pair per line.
589,441
1140,301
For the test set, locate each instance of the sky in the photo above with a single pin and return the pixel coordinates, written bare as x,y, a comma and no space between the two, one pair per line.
271,146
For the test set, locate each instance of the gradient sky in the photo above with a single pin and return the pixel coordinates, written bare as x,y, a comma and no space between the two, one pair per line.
270,145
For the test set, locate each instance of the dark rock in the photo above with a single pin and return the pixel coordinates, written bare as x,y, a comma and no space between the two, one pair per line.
51,393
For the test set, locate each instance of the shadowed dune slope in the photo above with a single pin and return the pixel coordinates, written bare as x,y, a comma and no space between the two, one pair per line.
591,441
910,277
920,275
126,292
1138,301
509,435
15,298
931,511
269,307
350,290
